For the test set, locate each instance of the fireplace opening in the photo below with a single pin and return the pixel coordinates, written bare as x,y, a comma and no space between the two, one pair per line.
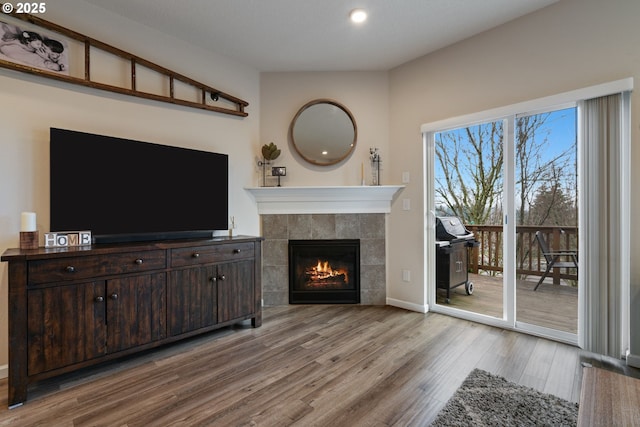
324,271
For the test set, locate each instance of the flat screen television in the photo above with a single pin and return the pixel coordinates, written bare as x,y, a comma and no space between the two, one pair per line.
123,190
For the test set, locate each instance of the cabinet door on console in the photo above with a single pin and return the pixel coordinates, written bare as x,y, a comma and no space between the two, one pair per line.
66,325
235,290
136,311
192,299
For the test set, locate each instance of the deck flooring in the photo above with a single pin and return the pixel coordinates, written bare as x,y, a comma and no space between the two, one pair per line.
551,306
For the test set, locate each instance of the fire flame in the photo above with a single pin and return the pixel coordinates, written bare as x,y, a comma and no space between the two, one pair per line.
324,267
324,270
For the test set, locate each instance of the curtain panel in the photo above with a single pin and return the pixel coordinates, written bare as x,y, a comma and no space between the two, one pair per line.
604,131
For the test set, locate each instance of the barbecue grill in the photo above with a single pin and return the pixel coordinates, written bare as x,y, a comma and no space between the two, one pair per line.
452,258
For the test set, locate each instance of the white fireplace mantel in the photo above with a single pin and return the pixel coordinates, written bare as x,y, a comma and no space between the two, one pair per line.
330,200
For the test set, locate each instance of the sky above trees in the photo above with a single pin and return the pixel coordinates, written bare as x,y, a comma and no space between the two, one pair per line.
469,170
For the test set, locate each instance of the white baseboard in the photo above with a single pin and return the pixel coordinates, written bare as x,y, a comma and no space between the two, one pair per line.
408,305
4,371
633,360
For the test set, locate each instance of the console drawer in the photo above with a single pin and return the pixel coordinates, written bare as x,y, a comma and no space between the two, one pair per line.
55,270
209,254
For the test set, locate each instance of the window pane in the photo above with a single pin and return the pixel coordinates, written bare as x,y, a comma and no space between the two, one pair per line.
546,203
469,179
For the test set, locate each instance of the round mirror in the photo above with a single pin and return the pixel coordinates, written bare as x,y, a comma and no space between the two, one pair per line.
323,132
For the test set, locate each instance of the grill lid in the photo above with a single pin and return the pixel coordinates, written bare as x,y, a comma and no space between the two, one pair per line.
451,228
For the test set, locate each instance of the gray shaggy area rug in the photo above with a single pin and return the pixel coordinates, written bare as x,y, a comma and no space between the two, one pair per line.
485,399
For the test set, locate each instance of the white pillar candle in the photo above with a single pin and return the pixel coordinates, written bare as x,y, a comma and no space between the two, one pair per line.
28,221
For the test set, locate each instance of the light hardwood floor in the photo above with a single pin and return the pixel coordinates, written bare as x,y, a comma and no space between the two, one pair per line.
318,365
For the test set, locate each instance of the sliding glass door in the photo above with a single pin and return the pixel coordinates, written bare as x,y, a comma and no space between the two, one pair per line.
546,199
469,181
512,182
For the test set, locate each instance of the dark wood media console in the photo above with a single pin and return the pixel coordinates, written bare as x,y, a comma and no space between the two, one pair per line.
74,307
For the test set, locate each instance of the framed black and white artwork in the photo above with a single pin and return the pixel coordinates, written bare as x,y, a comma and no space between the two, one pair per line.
26,44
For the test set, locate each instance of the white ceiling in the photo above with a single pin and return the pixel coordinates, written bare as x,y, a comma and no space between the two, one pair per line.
316,35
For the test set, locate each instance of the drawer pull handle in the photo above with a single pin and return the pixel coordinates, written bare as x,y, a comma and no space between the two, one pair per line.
99,299
236,251
139,261
213,279
221,277
196,255
70,269
114,296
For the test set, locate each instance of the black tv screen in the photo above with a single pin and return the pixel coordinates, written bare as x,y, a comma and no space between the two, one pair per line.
124,190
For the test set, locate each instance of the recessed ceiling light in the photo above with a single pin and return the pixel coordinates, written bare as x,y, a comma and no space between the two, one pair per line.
358,15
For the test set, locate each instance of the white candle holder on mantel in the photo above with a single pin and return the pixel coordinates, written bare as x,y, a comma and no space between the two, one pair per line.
375,166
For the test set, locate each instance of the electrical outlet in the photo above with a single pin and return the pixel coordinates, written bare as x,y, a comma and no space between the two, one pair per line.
406,275
406,204
405,177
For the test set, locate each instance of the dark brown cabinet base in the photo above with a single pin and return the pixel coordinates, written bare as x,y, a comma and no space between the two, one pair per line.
74,307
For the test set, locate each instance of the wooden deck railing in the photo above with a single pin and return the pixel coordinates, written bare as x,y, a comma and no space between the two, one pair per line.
529,259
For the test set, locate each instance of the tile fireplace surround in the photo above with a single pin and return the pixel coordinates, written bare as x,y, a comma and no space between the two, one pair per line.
323,213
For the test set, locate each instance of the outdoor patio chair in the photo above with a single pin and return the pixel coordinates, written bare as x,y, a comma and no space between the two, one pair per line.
553,258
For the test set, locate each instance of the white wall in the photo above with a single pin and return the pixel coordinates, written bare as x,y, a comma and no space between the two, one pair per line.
364,94
569,45
31,105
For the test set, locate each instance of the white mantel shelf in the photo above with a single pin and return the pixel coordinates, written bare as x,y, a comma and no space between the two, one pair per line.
329,200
